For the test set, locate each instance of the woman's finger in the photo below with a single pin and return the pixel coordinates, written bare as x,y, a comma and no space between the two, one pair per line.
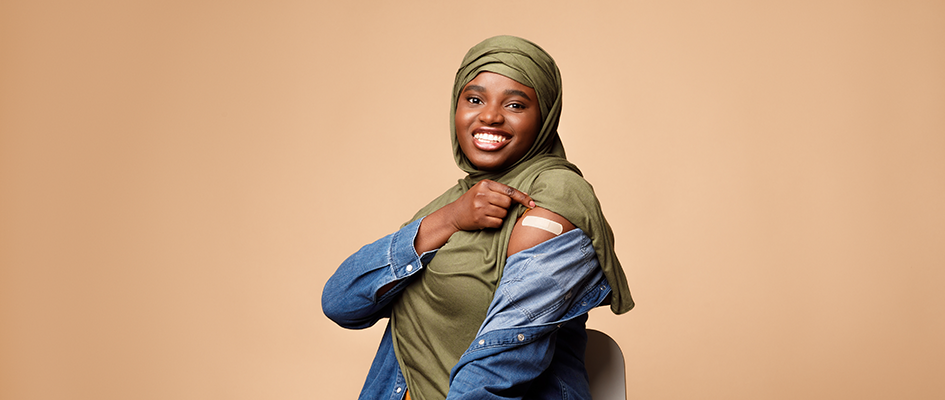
513,193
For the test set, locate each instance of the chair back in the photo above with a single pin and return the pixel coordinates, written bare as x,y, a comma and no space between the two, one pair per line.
605,367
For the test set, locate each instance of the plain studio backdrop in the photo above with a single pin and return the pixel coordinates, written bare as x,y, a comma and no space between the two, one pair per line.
179,179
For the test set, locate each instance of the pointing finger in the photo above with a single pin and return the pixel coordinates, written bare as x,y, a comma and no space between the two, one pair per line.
522,198
515,194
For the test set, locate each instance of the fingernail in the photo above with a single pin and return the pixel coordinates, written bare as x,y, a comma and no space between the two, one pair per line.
531,204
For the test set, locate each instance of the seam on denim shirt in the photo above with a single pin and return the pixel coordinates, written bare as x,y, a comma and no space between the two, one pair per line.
593,294
402,247
398,239
562,388
514,298
507,337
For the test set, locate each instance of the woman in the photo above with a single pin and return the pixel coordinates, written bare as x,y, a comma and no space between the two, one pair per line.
484,300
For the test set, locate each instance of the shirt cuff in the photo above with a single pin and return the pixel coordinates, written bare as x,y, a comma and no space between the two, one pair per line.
404,260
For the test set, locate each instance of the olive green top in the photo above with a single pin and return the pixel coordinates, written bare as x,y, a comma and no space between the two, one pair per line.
438,315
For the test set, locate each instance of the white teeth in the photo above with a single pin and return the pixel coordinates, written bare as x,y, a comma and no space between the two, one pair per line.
488,137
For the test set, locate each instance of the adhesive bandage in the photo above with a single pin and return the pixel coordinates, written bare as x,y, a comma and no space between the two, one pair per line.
542,223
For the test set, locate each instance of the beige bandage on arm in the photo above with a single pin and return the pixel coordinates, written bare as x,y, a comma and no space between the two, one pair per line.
543,224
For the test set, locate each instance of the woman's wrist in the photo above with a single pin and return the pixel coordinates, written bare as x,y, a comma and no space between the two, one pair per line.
435,230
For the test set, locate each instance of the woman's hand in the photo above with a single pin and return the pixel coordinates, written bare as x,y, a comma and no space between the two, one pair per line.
483,206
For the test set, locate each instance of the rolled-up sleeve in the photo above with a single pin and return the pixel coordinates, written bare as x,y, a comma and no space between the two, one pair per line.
541,288
350,295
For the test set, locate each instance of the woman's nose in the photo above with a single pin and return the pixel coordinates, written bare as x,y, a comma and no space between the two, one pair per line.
491,115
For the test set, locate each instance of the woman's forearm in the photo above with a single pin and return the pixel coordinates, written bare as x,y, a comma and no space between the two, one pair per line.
435,230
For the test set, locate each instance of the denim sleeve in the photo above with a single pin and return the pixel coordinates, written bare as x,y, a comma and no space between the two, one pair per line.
350,295
541,289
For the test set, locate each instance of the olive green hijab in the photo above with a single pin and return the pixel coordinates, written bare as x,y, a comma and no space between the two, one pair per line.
528,64
438,315
525,63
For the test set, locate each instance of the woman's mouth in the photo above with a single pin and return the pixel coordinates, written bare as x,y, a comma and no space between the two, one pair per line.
489,137
487,141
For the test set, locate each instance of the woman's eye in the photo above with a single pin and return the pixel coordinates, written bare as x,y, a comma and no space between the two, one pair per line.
517,106
474,100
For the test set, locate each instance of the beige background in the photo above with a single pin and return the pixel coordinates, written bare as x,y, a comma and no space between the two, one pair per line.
178,179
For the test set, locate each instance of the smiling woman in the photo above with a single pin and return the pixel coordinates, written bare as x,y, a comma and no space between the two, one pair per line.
480,304
497,120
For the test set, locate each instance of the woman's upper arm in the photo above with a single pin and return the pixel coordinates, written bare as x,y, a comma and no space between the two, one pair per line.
542,225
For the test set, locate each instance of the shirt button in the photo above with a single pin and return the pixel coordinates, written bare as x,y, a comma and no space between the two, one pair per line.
409,267
521,337
397,390
482,342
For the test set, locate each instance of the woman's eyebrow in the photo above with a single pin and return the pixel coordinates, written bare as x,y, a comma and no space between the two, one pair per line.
513,92
508,92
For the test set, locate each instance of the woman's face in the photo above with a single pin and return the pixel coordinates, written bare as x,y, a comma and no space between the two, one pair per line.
497,120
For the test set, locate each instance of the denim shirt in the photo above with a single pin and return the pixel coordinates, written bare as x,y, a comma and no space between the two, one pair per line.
532,341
